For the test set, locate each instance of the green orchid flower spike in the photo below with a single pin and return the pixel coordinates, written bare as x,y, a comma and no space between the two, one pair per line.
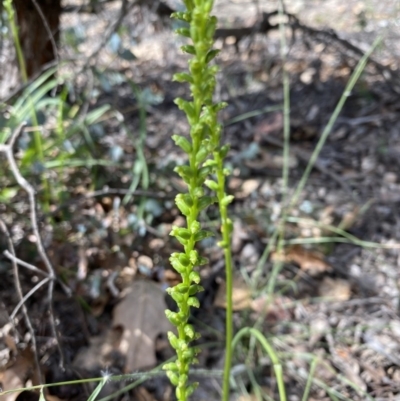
204,170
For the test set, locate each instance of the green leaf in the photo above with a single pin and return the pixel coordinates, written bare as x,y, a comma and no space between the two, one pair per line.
95,114
194,289
182,288
204,172
223,151
211,55
185,172
188,49
190,388
183,32
97,390
205,201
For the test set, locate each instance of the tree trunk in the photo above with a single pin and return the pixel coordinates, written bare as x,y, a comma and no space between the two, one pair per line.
34,31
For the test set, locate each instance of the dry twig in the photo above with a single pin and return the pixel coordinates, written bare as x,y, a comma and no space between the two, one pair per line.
23,183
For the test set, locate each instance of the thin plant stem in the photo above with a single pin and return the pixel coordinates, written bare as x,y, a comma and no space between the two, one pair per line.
324,136
249,331
313,366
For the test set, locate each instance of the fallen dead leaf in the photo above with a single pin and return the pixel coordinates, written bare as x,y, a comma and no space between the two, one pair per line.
16,376
277,309
335,289
141,394
241,295
140,317
311,262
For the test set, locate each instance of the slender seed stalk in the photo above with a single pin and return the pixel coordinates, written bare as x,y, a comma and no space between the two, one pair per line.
205,169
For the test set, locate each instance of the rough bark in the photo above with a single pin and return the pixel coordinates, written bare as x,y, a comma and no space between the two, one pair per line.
35,38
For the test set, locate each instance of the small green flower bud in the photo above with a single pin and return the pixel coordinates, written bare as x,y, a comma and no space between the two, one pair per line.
183,32
212,185
203,234
193,256
204,172
195,227
211,55
182,380
176,295
183,259
183,143
173,339
182,205
222,244
171,366
185,172
198,192
187,107
193,301
182,288
173,377
201,155
226,200
174,318
190,388
194,277
188,49
180,232
205,201
202,261
189,331
194,289
183,16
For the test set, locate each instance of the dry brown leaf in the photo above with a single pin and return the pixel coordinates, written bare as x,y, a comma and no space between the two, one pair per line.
241,295
311,262
335,289
141,394
18,374
277,309
141,316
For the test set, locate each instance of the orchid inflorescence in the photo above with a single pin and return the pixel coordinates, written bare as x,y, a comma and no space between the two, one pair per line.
205,169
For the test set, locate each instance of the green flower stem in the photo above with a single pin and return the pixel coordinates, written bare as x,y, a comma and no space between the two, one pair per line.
205,169
226,229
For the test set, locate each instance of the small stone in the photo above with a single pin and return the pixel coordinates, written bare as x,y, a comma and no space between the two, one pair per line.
390,178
